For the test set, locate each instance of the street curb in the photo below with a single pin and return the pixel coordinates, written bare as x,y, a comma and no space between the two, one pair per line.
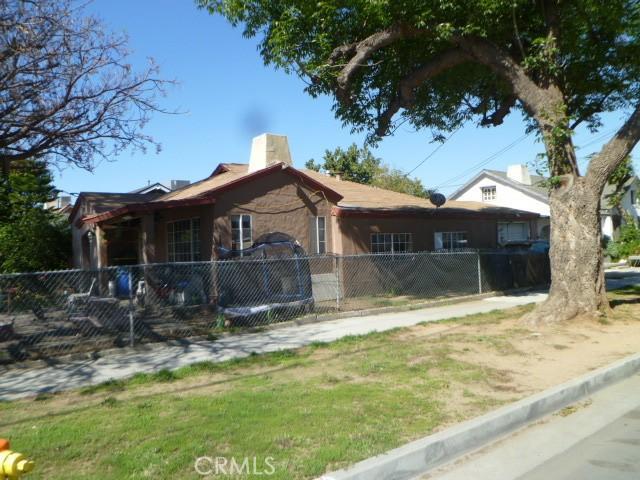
418,457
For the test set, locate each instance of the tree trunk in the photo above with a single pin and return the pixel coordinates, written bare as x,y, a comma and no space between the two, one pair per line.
577,273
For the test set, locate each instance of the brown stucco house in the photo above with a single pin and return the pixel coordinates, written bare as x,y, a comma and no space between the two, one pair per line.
239,202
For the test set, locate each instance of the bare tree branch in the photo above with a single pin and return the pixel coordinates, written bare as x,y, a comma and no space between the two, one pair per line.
67,92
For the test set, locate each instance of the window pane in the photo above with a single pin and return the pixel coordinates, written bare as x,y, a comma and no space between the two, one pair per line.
247,238
322,243
241,232
183,240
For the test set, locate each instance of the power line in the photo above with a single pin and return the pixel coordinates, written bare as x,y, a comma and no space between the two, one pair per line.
591,142
432,153
484,162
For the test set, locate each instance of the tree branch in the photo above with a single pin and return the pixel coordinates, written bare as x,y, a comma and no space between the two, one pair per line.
497,117
614,151
360,52
534,98
406,89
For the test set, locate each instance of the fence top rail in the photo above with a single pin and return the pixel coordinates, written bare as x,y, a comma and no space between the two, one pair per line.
240,260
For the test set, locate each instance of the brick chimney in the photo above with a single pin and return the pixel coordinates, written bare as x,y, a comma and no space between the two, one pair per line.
268,149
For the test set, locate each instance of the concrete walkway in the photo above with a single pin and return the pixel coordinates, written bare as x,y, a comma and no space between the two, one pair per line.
22,382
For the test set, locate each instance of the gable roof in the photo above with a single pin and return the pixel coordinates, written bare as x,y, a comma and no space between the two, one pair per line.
224,178
370,199
152,187
100,202
536,190
348,197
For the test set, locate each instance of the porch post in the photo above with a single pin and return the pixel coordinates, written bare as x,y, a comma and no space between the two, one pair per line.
101,248
148,238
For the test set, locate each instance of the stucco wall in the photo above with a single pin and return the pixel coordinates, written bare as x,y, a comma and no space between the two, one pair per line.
481,232
276,203
506,196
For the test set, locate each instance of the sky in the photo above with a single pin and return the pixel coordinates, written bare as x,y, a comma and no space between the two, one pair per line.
228,96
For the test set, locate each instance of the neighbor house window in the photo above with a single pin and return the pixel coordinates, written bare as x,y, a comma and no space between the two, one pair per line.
241,232
512,231
321,235
391,242
183,240
450,240
632,195
488,193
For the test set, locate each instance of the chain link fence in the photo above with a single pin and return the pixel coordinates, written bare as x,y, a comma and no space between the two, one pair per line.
49,314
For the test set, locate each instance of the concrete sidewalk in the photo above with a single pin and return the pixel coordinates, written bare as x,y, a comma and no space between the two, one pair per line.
22,382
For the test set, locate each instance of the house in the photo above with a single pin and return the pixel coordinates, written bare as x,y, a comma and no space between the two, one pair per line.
613,216
239,202
61,205
162,187
517,188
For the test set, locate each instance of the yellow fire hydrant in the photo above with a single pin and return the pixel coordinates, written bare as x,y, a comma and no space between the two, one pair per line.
13,464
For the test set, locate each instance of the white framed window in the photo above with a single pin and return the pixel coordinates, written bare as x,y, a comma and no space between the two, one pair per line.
183,240
391,242
321,235
488,193
512,231
450,240
241,236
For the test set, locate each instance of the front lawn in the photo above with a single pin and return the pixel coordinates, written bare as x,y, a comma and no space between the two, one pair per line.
314,409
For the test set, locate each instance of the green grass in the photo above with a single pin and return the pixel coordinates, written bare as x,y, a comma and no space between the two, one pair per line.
313,409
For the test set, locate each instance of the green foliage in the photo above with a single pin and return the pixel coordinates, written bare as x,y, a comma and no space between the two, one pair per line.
621,175
31,238
354,164
361,166
595,59
628,243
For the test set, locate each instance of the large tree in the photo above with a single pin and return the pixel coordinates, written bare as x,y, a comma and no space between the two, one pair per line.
67,92
438,64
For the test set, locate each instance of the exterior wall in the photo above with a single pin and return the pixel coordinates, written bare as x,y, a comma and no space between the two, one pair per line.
629,207
356,231
81,257
606,222
276,203
161,218
506,196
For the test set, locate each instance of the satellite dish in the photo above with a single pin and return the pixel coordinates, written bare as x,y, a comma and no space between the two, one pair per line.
437,199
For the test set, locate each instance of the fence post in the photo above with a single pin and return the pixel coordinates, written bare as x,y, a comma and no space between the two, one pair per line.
337,267
479,274
131,307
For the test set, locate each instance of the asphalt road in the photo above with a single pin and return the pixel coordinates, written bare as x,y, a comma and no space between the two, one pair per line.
612,453
598,439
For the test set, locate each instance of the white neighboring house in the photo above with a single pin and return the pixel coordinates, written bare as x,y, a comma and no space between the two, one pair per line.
612,217
517,188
